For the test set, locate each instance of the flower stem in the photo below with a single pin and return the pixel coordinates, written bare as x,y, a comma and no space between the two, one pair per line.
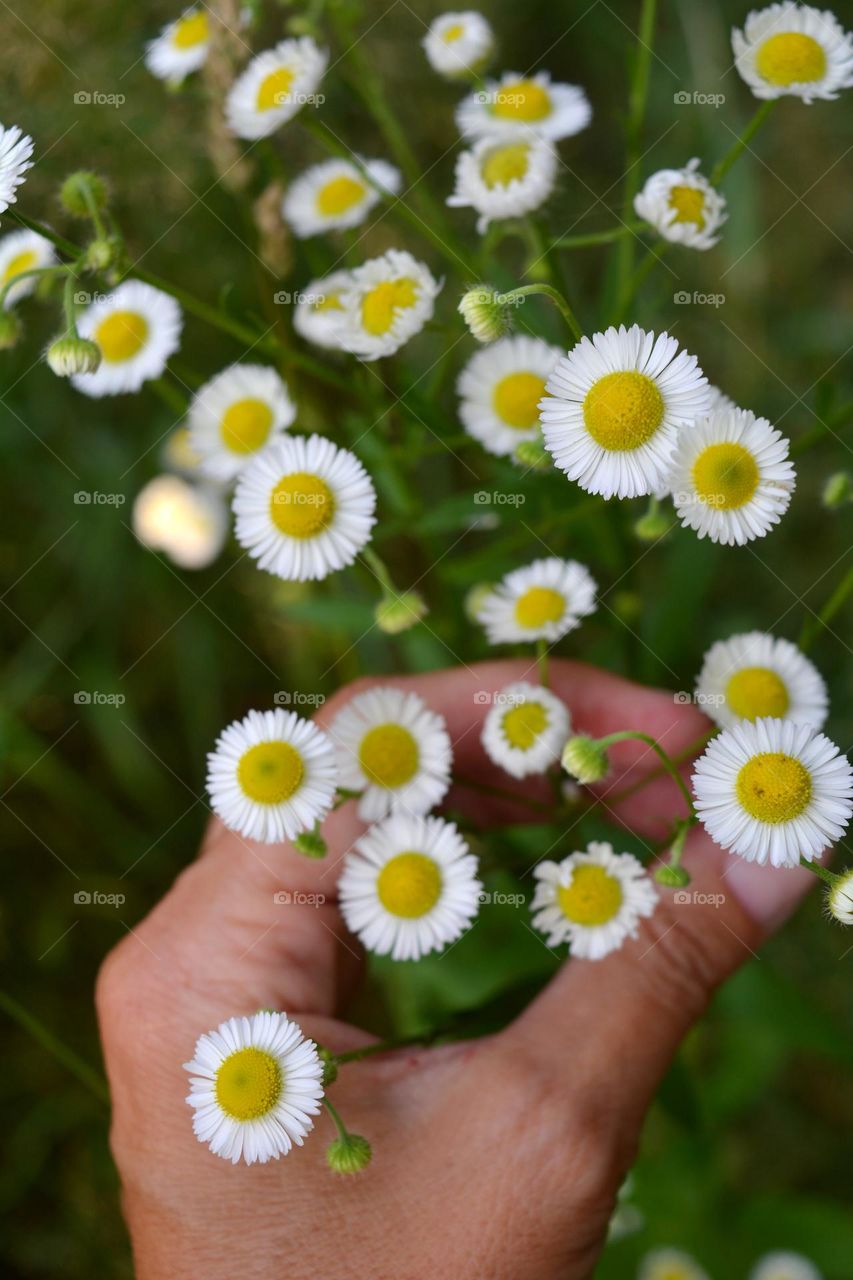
813,625
343,1132
741,143
548,291
600,237
33,271
87,1075
637,97
666,760
828,877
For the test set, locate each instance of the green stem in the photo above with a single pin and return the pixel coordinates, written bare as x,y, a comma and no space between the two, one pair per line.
383,1046
69,306
600,237
377,565
339,1124
741,143
33,271
813,626
654,255
637,97
665,759
548,291
87,1075
837,419
828,877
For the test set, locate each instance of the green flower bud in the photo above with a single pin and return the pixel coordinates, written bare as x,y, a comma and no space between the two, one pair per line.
330,1067
475,598
72,355
652,525
585,759
486,315
394,614
672,877
533,454
311,844
837,491
348,1155
839,899
102,253
80,191
10,330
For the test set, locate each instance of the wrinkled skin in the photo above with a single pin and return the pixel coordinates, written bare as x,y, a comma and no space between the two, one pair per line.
498,1158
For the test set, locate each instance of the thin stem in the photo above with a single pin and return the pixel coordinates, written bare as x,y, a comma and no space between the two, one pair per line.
33,271
666,760
69,306
548,291
837,419
384,1046
87,1075
380,570
637,97
339,1124
683,756
741,143
812,627
600,237
828,877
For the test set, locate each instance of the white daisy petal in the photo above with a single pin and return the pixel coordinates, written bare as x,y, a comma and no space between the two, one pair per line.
188,522
794,49
614,409
181,47
525,729
393,749
773,791
458,45
783,1265
682,206
304,507
271,775
16,148
388,300
336,194
544,600
524,106
731,477
137,328
500,388
593,900
319,311
274,87
22,251
504,178
754,675
409,887
255,1084
234,415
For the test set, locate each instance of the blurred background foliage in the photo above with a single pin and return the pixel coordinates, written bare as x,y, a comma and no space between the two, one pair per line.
743,1151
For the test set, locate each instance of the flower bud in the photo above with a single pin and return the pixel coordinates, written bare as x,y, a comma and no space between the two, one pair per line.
837,491
330,1067
475,598
652,525
102,253
10,330
672,877
394,614
484,312
533,454
311,844
73,355
839,899
348,1155
81,191
585,759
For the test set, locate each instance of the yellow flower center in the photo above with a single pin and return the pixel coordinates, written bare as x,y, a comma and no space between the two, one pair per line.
725,476
623,410
454,32
757,691
248,1084
246,425
516,399
121,335
270,772
329,302
539,605
689,205
389,755
791,58
503,165
380,305
409,885
593,897
339,196
274,89
523,724
191,30
21,262
774,787
302,505
522,100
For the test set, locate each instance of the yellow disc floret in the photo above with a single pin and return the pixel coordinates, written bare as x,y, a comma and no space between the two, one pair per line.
191,30
623,410
409,885
503,165
516,399
774,787
380,305
523,724
274,89
270,772
246,425
689,205
248,1084
725,476
454,32
302,505
339,195
389,755
790,58
522,100
121,335
538,605
592,897
21,262
757,691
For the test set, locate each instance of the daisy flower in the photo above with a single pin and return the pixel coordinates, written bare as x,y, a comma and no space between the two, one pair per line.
304,507
499,391
393,749
336,195
188,522
525,729
137,329
524,105
274,86
614,408
682,206
773,791
670,1264
751,676
409,887
544,600
22,251
181,46
388,301
459,44
719,399
15,151
319,310
255,1083
234,415
593,900
731,477
504,178
271,775
794,49
782,1265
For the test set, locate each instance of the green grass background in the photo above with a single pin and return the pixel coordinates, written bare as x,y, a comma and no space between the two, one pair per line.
744,1149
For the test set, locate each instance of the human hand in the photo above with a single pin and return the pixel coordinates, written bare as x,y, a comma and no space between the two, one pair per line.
494,1158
